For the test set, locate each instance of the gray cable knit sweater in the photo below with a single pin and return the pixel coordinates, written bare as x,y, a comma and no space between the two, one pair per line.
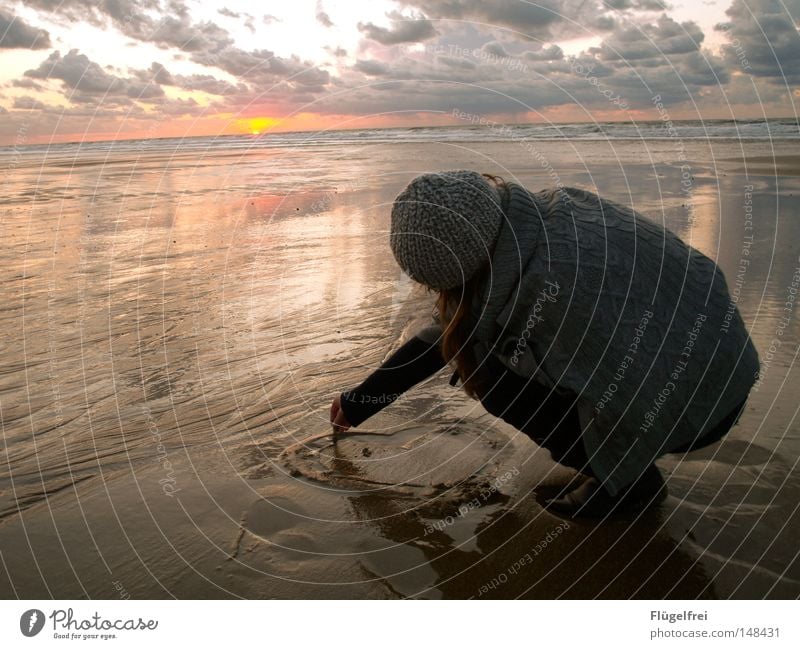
589,296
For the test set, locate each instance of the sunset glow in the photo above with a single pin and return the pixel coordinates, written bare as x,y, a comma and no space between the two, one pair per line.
257,125
79,70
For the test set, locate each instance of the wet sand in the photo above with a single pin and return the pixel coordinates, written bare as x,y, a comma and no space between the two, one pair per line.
173,328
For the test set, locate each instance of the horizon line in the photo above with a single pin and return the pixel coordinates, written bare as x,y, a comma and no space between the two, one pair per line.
268,132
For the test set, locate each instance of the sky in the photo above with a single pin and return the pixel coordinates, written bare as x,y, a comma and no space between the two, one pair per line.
73,70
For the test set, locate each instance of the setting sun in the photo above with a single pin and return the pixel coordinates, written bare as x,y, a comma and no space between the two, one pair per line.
257,125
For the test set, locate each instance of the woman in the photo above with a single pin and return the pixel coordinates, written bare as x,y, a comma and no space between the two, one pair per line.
593,330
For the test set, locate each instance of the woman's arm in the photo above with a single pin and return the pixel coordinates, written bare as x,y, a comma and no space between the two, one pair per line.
415,361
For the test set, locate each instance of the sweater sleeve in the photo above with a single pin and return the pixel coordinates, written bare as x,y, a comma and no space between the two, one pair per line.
415,361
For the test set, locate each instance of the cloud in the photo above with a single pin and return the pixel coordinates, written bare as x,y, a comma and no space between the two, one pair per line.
89,82
181,33
495,49
764,39
15,33
322,17
263,68
658,40
550,53
372,68
527,17
27,103
203,82
454,62
651,5
403,29
524,20
133,18
473,55
178,107
249,21
30,84
444,95
210,84
127,14
77,72
664,58
157,73
702,69
640,5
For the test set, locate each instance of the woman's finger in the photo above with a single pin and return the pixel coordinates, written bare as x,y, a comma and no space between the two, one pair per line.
340,423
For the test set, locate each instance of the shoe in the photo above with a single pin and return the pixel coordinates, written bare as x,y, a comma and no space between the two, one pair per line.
591,500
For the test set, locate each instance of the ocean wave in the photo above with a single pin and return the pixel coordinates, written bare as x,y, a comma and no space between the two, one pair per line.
748,129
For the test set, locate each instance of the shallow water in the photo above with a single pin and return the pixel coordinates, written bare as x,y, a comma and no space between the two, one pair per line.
173,328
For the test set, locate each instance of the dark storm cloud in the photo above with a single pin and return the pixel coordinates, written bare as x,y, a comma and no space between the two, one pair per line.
764,39
415,29
15,33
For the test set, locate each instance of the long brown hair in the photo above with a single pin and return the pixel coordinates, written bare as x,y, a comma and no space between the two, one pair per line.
453,306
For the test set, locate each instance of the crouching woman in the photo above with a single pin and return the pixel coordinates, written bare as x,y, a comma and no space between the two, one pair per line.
590,328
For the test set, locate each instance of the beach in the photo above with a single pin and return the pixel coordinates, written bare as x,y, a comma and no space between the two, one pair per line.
176,317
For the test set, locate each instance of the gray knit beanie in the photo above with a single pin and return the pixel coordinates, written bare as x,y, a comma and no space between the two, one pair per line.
444,226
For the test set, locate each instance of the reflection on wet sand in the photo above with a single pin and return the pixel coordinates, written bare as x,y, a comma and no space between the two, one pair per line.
174,329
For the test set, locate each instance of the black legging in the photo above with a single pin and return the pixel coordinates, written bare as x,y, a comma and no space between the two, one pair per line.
548,418
551,419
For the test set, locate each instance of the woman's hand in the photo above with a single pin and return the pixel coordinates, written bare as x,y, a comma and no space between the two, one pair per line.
338,420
